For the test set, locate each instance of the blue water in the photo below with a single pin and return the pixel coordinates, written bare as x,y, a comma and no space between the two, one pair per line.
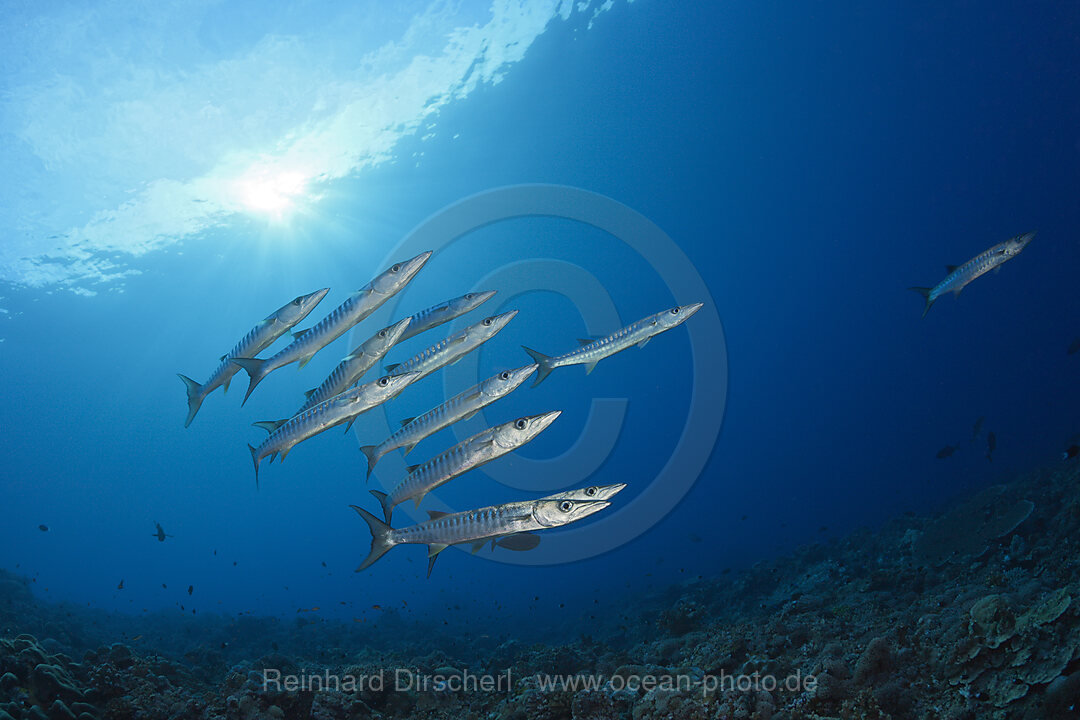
812,163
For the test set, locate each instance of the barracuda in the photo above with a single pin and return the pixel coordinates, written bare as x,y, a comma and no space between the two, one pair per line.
478,450
343,408
445,312
356,363
474,526
594,350
960,275
359,305
454,347
522,541
460,407
258,339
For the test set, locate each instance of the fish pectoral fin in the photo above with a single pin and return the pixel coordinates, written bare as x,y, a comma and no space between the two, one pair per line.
406,421
951,268
226,385
418,499
412,468
435,548
304,361
436,514
589,367
478,546
408,448
644,342
431,564
297,334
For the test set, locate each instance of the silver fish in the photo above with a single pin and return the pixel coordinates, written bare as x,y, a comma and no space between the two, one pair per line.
454,347
357,307
338,409
445,312
460,407
478,450
960,275
593,351
356,363
472,526
258,339
520,542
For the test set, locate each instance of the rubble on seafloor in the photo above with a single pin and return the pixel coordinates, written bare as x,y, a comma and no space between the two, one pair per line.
972,615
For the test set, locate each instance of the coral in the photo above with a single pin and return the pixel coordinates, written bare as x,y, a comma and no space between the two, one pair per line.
970,528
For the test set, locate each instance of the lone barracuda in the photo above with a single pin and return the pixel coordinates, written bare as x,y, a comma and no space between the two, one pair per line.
444,312
960,275
478,450
258,339
357,307
460,407
595,350
338,409
454,347
520,542
474,526
356,363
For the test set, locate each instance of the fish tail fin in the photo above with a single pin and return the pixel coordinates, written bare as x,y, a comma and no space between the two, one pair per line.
372,454
255,369
544,363
925,292
255,460
195,397
387,508
380,537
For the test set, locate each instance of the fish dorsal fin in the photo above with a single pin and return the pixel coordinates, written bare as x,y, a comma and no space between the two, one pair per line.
406,421
435,548
951,268
269,425
436,514
585,341
392,367
309,393
297,334
644,342
412,468
223,358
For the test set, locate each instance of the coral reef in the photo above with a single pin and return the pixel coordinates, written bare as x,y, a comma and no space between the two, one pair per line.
971,615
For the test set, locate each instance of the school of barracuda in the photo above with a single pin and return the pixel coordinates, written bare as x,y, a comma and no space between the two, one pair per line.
341,398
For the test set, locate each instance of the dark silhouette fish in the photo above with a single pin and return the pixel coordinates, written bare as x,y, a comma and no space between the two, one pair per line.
960,275
1071,452
43,528
991,445
160,534
946,451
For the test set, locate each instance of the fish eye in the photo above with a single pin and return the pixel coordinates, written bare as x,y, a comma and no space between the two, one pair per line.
504,375
488,321
674,311
384,381
382,333
298,300
521,423
566,506
470,296
592,491
396,267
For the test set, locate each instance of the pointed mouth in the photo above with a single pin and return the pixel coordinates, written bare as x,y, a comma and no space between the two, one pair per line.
543,421
521,374
689,310
483,297
315,298
589,507
411,267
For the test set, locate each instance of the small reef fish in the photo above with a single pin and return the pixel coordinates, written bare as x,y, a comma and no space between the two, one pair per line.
594,350
160,534
946,451
474,526
959,276
343,408
359,361
121,585
469,454
977,429
43,528
453,348
358,306
991,445
444,312
460,407
258,339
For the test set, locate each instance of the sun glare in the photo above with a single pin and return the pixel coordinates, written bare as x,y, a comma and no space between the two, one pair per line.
274,194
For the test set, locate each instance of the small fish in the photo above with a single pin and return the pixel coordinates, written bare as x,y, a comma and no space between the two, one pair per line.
258,339
137,638
977,429
947,451
356,307
445,312
160,534
120,586
190,589
43,528
959,276
593,351
1071,452
1074,346
991,445
376,607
